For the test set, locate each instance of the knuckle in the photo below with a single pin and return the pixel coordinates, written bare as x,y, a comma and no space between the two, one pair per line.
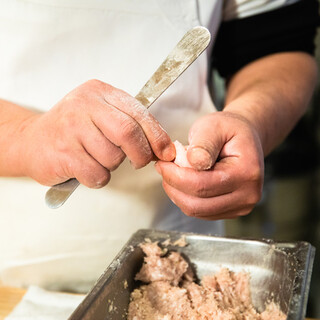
142,162
130,129
244,212
190,211
73,98
160,142
141,110
74,104
159,138
69,121
253,172
117,159
254,198
61,146
168,178
90,87
201,189
147,159
94,83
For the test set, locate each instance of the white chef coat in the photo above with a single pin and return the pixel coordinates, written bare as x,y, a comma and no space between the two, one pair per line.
48,47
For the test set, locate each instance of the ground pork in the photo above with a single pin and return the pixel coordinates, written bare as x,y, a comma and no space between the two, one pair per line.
169,292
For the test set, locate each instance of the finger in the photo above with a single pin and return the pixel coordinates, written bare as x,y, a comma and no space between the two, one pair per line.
205,143
203,184
159,140
101,149
225,206
124,132
85,169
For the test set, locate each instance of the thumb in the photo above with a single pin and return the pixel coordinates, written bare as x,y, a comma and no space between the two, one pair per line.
204,144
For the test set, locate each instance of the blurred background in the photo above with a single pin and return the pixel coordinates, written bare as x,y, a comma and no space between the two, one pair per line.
290,206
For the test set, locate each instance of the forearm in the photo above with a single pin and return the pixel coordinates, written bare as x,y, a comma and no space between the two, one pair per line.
273,93
13,120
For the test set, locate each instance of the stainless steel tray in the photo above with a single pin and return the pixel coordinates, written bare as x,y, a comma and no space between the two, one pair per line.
280,271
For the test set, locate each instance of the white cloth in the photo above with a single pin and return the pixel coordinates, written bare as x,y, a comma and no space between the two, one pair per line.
40,304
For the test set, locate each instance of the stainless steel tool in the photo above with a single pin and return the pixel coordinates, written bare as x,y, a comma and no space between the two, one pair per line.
192,44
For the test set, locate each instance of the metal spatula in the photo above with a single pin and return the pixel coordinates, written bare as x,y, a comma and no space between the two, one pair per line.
193,43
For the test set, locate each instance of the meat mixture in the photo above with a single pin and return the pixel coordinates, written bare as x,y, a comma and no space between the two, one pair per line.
169,292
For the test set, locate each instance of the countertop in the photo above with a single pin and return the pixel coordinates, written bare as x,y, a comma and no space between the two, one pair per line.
10,297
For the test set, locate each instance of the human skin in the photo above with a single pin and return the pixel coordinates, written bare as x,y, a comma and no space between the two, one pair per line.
86,135
264,101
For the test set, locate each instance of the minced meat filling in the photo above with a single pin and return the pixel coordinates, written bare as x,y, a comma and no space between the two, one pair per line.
170,293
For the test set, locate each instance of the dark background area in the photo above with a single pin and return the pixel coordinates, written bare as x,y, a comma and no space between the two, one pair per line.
290,206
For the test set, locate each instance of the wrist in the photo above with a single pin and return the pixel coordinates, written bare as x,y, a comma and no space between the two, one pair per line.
251,112
13,162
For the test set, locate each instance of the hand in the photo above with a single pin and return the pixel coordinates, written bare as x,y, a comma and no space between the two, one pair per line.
229,146
88,134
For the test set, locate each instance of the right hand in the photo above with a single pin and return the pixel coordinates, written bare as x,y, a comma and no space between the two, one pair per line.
88,134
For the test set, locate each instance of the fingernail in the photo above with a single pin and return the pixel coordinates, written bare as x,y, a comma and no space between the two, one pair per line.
103,181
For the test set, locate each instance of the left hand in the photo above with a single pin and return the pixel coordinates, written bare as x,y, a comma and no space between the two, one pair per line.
229,145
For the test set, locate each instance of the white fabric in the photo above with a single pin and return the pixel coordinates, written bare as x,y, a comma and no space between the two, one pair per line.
48,47
39,304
